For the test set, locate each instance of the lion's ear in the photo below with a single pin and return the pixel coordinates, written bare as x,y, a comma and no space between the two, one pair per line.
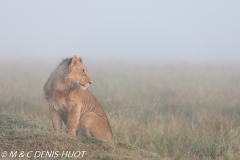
80,60
74,61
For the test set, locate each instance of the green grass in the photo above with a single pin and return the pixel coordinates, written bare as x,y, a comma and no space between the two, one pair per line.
177,111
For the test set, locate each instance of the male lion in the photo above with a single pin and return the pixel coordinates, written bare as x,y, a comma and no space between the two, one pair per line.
70,101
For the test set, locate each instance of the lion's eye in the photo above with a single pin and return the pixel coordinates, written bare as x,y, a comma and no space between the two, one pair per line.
84,71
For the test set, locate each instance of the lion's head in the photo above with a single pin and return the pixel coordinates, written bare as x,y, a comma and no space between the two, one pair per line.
78,73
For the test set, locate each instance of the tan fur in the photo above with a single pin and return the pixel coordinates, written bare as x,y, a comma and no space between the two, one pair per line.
70,101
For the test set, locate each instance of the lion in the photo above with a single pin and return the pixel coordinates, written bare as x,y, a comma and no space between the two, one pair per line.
71,102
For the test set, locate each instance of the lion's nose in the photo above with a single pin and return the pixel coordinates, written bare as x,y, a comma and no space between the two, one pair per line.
90,82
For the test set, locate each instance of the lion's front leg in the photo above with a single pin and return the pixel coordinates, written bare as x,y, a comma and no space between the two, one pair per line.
56,119
73,118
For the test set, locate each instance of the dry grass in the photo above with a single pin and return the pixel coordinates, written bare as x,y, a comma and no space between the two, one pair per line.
176,111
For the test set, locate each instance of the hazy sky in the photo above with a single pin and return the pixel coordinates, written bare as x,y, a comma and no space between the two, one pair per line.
125,29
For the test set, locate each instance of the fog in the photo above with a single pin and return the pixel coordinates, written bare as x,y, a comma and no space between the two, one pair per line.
149,31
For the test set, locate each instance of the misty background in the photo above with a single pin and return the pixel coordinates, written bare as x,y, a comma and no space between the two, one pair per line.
149,31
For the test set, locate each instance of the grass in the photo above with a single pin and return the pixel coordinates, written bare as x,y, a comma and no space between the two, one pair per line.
18,134
178,111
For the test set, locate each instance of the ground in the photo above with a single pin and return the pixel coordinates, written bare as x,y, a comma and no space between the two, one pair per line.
20,135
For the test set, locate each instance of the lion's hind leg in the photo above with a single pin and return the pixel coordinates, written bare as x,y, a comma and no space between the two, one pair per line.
92,125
